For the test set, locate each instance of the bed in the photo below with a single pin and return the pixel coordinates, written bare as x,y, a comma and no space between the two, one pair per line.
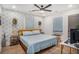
34,43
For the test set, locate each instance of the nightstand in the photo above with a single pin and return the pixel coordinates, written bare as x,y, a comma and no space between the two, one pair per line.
14,40
58,37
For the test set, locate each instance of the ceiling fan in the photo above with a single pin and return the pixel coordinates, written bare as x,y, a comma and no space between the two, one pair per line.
42,8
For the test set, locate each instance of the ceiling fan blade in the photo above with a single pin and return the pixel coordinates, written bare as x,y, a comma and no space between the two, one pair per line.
36,6
47,6
35,10
48,10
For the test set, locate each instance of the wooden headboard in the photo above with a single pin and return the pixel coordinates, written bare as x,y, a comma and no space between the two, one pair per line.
20,32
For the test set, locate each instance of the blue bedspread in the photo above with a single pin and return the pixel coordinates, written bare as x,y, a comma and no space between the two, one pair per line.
36,43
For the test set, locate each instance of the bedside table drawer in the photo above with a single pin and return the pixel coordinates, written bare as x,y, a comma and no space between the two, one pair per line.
14,40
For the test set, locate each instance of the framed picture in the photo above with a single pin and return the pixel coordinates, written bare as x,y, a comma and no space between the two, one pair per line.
39,23
14,21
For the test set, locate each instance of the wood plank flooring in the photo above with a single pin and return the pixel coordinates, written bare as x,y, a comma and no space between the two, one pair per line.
17,49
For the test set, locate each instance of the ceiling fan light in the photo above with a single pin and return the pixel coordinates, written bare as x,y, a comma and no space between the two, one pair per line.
42,11
13,6
70,6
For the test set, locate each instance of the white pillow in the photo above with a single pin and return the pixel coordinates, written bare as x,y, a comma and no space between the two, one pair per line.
27,33
36,32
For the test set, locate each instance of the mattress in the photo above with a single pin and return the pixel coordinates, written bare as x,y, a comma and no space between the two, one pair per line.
35,43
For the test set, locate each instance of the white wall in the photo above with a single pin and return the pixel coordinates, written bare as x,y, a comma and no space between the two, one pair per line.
48,22
8,16
29,22
22,22
1,30
48,25
36,20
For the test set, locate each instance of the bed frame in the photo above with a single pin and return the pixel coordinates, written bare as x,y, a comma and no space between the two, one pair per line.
20,33
25,47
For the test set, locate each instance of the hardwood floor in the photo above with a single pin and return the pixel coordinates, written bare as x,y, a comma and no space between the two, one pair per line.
17,49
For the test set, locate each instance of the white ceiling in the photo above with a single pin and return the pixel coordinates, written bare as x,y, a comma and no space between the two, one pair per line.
28,7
